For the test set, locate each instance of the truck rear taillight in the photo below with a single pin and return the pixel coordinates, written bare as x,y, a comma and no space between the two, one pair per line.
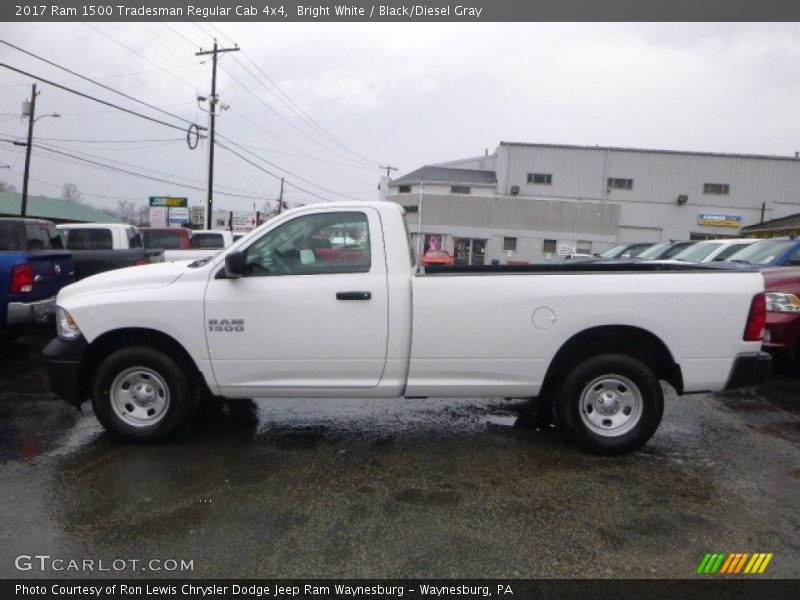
22,279
756,319
141,261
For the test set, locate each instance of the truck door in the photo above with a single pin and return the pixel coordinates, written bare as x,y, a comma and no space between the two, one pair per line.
310,312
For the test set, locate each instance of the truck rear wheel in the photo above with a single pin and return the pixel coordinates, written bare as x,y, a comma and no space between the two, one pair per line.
140,394
610,404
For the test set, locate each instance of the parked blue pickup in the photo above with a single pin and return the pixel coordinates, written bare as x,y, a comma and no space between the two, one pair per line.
34,266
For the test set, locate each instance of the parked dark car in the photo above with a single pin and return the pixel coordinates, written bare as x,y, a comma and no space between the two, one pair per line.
34,266
626,251
664,250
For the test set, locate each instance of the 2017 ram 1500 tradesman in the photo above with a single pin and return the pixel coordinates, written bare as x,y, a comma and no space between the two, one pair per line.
286,312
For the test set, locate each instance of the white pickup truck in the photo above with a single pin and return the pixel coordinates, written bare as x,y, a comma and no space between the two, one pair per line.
293,310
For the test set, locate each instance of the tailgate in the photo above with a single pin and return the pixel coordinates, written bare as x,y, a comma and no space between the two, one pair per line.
52,270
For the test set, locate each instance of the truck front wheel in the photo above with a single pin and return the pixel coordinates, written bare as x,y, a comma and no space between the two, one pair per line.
142,395
610,404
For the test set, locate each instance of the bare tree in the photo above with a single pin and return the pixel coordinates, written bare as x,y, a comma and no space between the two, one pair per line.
71,193
128,212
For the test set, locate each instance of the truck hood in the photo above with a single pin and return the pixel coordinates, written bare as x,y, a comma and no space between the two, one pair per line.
131,278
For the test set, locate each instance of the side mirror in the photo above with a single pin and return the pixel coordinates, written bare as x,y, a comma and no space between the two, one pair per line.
234,265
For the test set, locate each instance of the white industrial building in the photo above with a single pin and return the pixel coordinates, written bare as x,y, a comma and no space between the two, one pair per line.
533,202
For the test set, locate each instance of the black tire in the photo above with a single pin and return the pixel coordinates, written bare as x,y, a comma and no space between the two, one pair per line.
152,416
609,404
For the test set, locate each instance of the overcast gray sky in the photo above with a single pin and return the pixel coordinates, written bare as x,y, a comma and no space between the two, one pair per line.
408,94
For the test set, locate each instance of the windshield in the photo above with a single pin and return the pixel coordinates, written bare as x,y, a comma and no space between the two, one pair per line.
762,253
697,252
654,251
615,251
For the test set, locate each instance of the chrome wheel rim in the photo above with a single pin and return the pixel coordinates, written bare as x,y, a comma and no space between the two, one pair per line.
611,405
139,397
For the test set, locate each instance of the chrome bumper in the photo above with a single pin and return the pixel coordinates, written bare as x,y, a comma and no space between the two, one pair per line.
23,312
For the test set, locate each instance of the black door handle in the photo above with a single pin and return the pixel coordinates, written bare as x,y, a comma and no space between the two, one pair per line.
353,295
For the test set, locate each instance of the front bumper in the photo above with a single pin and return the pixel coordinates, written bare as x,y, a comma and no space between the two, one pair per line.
63,361
24,312
749,369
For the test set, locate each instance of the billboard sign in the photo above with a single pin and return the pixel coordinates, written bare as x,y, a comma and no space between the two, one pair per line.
169,201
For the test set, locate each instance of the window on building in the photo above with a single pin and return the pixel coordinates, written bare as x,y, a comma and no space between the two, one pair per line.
716,188
615,183
403,189
540,178
583,247
549,246
411,209
460,189
509,244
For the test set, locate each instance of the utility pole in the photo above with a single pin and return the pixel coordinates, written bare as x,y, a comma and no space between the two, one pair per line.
388,168
280,198
212,105
24,208
31,120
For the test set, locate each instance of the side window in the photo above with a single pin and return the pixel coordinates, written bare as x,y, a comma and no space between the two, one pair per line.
312,245
37,237
56,241
794,259
89,239
134,238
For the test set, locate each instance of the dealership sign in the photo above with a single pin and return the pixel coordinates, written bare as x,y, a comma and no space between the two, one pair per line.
719,220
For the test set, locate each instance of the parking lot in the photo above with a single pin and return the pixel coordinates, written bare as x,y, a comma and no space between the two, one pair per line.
396,488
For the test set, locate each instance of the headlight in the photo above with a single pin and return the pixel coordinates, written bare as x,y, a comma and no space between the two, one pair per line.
66,326
782,302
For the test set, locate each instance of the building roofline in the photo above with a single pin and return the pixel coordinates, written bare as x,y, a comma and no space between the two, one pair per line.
653,151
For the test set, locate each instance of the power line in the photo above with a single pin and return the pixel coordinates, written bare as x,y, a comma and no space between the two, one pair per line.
109,141
298,110
114,76
75,156
261,158
308,156
129,49
49,183
90,97
135,166
279,115
290,103
97,83
270,173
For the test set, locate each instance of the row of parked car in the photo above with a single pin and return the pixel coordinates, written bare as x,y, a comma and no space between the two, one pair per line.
777,259
38,258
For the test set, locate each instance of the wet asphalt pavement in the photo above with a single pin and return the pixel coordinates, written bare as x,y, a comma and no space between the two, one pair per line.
397,488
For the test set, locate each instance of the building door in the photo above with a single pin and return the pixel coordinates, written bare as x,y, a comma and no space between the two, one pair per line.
468,251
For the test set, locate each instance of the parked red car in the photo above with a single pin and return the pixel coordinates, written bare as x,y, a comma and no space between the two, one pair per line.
437,257
782,334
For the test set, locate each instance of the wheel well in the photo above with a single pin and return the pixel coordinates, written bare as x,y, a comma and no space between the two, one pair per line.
121,338
621,339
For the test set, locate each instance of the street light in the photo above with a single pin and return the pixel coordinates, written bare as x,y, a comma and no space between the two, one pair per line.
31,121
